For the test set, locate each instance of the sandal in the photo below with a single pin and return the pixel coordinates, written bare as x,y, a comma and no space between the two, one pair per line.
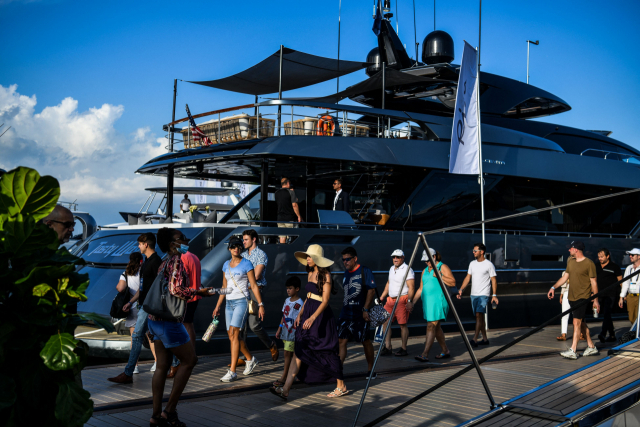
562,337
278,391
277,383
158,422
173,421
443,356
401,352
337,393
422,358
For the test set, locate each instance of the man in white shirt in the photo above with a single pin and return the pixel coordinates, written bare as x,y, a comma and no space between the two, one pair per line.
185,204
631,288
395,290
482,275
341,199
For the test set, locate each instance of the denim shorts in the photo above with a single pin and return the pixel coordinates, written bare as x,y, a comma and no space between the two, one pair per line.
172,334
479,303
236,312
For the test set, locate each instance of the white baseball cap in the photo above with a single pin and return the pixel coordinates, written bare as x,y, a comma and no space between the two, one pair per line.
424,254
634,251
397,252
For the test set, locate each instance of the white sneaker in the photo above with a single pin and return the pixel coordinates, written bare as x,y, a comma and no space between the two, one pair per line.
250,366
136,370
590,351
229,376
153,368
569,354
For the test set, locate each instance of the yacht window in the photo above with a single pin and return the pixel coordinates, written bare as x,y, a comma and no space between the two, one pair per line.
548,258
333,239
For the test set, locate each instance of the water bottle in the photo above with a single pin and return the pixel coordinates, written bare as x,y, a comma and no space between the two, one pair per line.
494,305
595,313
211,330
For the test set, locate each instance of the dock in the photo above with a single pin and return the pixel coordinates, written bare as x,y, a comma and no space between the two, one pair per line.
247,402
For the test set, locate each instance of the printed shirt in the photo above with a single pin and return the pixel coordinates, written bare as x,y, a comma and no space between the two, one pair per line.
258,257
178,287
395,280
630,286
290,311
192,265
237,278
356,285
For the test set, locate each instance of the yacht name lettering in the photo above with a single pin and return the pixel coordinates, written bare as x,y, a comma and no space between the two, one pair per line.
115,250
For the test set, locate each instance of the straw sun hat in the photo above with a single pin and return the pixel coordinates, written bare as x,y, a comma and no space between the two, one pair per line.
317,255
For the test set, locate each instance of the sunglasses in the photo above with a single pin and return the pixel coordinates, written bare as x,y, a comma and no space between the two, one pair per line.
476,250
65,224
394,257
347,259
236,246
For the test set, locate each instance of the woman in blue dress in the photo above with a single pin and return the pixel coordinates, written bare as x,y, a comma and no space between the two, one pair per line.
434,304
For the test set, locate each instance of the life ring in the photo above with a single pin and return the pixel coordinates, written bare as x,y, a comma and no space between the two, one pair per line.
326,126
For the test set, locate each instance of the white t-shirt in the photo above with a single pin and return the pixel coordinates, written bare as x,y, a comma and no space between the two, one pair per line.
481,274
395,280
241,279
133,282
290,311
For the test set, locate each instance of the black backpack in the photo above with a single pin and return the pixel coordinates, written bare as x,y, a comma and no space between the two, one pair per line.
119,301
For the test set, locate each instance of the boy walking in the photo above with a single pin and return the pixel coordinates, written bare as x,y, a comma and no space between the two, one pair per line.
287,331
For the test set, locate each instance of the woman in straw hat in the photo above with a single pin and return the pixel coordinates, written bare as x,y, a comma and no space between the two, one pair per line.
316,355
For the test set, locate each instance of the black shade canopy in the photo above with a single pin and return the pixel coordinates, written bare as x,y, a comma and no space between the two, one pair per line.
299,69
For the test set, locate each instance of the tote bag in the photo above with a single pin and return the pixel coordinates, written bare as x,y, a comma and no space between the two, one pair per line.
119,301
160,303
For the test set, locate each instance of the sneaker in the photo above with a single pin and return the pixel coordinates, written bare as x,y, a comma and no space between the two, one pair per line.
251,364
121,379
590,351
229,376
153,368
136,370
373,375
569,354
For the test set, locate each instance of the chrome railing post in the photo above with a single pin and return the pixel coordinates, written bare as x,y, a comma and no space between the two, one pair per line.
258,121
219,128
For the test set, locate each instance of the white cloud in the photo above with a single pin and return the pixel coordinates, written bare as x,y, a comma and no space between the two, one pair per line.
82,149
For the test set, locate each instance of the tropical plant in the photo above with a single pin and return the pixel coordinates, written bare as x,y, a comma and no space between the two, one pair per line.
40,360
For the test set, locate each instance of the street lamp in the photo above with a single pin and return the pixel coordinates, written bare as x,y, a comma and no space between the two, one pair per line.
529,42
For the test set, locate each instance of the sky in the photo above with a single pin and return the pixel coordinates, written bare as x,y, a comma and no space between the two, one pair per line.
87,86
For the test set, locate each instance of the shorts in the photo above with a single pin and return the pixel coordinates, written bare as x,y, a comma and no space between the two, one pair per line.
353,330
580,313
287,225
479,303
236,312
190,311
402,315
172,334
289,346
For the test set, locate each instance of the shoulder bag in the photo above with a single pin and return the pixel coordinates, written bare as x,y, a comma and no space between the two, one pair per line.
159,301
119,301
377,313
252,306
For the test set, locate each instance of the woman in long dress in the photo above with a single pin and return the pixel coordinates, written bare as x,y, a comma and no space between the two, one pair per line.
434,304
316,355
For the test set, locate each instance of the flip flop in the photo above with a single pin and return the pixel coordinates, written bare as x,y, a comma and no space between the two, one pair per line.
278,391
422,358
337,393
443,356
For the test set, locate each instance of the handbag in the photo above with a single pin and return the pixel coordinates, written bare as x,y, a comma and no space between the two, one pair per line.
377,313
161,303
252,306
119,301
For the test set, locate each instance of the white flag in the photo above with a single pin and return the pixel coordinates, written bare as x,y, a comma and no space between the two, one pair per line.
464,137
200,199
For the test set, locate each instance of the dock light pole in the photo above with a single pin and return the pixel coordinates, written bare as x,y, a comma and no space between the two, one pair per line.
529,43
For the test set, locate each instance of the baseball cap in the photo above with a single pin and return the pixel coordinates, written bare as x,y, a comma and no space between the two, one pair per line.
576,244
634,251
424,254
397,252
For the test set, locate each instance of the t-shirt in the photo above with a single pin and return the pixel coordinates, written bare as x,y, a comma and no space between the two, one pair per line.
133,282
239,273
580,274
285,197
149,273
481,274
185,204
356,286
192,265
258,257
290,311
607,276
395,280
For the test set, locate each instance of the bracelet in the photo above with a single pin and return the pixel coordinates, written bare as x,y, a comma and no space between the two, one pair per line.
494,295
365,310
261,305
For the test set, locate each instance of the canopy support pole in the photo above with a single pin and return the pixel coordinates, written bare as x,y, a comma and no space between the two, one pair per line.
280,93
264,190
169,210
384,68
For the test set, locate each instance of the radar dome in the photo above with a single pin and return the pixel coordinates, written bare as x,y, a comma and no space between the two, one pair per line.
437,48
374,58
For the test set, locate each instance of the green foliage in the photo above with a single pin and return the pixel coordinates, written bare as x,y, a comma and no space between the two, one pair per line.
39,356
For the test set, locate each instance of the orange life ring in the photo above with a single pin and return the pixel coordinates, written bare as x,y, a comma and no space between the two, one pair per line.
326,126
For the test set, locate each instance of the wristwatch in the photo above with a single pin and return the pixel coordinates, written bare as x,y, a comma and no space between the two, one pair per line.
408,300
365,310
261,305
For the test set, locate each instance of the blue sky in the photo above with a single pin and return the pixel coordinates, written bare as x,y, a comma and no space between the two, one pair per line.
105,70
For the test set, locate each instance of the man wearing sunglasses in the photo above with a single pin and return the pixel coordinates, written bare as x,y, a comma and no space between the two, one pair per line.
62,222
359,291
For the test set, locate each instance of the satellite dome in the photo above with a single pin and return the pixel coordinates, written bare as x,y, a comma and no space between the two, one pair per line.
437,48
374,58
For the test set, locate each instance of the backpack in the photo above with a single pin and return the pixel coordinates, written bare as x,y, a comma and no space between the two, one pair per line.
119,301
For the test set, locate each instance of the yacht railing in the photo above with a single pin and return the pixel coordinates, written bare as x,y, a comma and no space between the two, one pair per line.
627,158
299,118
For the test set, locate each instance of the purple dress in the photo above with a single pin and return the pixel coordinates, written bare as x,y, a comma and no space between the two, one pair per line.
317,347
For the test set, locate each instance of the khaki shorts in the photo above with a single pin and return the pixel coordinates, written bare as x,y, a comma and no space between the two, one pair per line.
287,225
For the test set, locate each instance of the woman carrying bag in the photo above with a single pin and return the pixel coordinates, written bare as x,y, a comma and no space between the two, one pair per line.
238,276
131,279
170,336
